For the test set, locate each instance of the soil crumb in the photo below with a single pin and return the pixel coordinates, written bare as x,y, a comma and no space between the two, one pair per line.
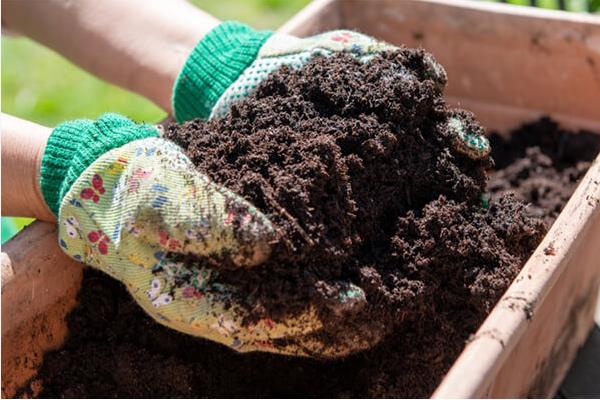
367,167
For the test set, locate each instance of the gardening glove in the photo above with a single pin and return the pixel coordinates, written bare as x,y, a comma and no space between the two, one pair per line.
233,59
132,205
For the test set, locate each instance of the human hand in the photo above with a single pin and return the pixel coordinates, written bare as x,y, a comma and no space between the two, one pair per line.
132,205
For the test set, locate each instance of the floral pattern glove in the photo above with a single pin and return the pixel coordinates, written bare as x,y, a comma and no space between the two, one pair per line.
143,214
143,200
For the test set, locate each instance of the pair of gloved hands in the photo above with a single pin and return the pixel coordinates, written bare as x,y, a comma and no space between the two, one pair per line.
128,200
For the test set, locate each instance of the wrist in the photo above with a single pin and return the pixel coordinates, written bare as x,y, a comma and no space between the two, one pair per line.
171,30
150,48
22,144
155,78
43,213
212,66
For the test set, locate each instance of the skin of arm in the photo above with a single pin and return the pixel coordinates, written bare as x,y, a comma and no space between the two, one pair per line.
140,45
23,145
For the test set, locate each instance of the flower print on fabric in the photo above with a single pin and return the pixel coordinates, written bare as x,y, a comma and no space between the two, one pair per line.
144,215
95,191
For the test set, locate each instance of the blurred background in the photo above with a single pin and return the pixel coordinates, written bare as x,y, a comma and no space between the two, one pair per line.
40,86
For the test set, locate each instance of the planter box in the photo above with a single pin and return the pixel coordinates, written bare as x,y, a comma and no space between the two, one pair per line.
507,64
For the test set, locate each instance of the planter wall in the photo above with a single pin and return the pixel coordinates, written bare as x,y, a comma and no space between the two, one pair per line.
509,65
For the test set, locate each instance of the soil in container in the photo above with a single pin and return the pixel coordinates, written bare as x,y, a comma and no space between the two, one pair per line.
401,216
361,169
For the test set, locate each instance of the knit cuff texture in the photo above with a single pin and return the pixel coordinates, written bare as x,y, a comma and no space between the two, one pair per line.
214,64
75,145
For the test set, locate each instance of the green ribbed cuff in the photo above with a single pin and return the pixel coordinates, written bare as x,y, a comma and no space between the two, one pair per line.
214,64
75,145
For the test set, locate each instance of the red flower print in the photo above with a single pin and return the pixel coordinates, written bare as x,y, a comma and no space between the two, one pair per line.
100,238
229,218
265,344
343,37
95,191
269,323
189,292
167,241
136,179
97,183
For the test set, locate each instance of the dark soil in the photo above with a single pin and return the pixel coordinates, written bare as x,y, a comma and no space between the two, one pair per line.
541,164
378,196
356,166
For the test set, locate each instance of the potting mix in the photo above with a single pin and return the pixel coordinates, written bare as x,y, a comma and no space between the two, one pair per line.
373,183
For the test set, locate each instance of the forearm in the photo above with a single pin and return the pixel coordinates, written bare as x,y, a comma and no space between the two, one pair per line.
23,145
140,45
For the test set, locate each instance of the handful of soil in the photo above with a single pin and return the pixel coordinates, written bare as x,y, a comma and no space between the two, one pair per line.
115,349
360,169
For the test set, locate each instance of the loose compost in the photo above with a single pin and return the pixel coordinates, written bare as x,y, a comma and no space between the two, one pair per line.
360,173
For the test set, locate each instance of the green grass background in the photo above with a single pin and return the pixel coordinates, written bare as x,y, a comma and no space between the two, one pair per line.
41,86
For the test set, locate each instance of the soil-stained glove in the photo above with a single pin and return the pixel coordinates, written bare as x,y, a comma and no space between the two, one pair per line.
232,59
132,205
